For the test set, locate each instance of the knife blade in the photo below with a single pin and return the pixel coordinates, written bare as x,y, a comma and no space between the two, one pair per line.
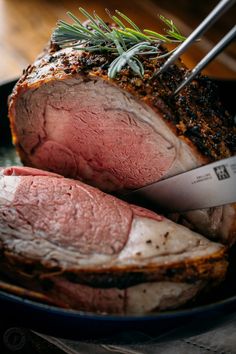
207,186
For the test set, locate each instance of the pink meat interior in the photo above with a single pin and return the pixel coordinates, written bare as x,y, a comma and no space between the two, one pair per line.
69,214
91,131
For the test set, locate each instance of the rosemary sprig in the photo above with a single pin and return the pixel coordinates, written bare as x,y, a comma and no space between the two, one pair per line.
125,40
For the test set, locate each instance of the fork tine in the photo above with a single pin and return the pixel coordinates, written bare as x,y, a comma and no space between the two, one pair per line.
213,16
229,37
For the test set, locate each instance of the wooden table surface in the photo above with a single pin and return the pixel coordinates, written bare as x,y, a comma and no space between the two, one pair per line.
25,27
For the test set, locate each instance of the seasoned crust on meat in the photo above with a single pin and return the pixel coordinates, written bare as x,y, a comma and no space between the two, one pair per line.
196,114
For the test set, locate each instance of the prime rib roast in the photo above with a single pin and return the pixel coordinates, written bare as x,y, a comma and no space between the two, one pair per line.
68,117
70,244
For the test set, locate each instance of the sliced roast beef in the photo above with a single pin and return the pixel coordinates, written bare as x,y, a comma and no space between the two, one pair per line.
69,118
79,247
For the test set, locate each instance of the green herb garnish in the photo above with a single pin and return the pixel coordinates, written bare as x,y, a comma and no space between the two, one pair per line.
126,41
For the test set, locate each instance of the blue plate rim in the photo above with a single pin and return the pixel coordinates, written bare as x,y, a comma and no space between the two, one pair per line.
178,313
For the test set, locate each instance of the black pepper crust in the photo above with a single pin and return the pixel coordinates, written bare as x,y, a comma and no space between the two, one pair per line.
195,114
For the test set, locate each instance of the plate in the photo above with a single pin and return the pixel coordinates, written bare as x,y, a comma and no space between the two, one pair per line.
17,311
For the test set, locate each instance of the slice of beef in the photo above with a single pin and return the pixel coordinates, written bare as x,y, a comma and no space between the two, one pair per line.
68,117
88,250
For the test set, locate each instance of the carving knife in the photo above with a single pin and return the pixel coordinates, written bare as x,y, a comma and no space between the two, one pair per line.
207,186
